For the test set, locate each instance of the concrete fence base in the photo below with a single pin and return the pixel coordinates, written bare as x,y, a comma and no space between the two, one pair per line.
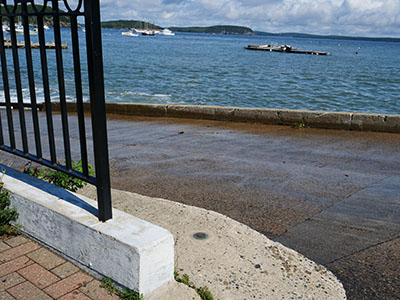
315,119
134,253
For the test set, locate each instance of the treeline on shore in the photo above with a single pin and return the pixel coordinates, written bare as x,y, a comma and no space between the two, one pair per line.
235,30
219,29
128,24
48,20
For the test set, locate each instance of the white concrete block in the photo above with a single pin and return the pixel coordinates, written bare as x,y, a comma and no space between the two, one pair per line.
131,251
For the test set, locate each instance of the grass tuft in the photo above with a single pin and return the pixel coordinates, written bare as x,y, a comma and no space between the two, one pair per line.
125,294
7,214
203,292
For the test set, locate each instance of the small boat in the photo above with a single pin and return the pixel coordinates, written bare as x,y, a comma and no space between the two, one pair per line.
130,33
46,27
147,32
166,31
19,29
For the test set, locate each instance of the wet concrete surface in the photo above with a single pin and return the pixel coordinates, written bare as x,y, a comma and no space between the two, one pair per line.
331,195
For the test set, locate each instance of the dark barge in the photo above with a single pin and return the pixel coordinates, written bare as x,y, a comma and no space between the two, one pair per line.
284,49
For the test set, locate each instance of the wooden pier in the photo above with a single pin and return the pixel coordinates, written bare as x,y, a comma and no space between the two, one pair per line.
284,49
21,45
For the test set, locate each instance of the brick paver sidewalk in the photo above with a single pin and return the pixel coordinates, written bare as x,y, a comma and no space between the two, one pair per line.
29,271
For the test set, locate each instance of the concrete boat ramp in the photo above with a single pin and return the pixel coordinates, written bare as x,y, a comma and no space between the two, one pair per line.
331,195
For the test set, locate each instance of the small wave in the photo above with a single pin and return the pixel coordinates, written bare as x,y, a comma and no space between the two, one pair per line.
130,94
39,92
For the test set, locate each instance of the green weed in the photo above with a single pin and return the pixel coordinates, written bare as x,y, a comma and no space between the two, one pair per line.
125,294
299,125
203,292
59,178
7,214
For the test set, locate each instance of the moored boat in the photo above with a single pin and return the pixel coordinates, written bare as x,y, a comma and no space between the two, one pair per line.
19,29
130,33
167,32
147,32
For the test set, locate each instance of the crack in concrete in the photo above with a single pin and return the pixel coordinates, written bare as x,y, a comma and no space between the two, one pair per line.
361,250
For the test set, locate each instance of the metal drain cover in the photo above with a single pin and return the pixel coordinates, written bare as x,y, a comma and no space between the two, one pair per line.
200,236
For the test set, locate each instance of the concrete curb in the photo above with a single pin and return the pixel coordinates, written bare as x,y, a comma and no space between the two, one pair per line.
235,261
315,119
133,252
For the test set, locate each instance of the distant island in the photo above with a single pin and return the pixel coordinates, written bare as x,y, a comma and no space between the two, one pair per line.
128,24
218,29
48,20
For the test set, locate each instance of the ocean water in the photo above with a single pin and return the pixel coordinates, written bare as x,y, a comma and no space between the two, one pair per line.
203,69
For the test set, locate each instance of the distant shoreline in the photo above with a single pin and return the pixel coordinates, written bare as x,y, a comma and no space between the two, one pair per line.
328,37
236,30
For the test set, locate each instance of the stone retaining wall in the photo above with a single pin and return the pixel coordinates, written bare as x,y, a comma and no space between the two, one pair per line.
291,117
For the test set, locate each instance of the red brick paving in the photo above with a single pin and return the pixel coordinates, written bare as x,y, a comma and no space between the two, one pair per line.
6,296
95,291
46,258
18,251
27,290
38,275
4,246
14,265
30,271
15,241
68,284
10,280
75,295
65,270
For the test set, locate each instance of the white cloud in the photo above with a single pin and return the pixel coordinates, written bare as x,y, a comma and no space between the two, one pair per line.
366,17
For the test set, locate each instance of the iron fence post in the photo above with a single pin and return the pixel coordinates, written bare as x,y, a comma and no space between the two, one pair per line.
97,106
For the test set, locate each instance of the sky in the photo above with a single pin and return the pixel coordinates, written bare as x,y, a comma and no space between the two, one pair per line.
373,18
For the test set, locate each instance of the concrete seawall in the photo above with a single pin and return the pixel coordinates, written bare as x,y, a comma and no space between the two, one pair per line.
290,117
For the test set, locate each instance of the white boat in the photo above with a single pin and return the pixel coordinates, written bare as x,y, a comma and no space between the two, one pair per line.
130,33
166,31
45,27
19,29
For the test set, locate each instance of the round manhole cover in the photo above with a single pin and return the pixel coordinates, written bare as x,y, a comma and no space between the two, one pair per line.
200,236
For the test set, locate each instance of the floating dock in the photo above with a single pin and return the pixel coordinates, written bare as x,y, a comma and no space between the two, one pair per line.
21,45
284,49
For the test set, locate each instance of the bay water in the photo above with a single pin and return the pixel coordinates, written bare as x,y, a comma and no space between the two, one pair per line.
213,69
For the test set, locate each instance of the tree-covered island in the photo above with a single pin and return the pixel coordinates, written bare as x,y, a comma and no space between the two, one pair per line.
219,29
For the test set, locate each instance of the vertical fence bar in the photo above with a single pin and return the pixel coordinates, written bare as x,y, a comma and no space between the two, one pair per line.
97,105
46,89
1,50
1,131
6,87
32,90
61,85
79,97
18,86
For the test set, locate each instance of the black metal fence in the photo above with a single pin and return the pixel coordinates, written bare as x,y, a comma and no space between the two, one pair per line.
48,12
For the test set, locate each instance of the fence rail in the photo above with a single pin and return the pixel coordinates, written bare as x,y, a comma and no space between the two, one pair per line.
26,13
